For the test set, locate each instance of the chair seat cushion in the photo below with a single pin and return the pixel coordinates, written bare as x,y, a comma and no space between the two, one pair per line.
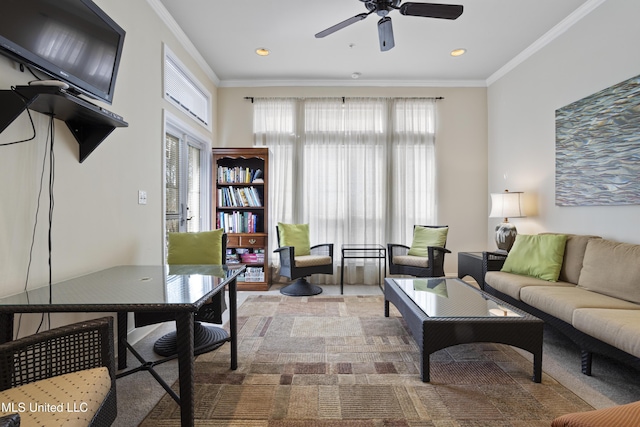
65,400
312,260
411,260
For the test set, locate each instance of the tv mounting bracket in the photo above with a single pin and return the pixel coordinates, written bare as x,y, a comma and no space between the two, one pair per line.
88,123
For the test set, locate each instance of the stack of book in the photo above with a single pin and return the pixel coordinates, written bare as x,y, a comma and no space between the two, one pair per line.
238,197
238,222
254,274
238,174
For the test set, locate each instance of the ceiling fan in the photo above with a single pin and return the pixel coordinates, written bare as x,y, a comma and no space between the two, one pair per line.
383,7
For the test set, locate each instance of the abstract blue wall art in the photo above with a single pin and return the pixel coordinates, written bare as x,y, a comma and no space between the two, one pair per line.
598,148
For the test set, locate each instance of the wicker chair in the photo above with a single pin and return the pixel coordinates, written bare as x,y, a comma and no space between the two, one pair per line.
206,338
36,361
320,261
401,262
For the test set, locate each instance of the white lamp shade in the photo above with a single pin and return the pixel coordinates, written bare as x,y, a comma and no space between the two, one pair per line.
506,205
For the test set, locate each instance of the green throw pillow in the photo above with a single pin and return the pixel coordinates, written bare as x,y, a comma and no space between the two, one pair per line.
427,236
537,256
296,235
204,247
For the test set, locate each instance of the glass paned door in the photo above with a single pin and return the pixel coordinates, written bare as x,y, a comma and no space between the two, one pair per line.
184,178
172,183
194,213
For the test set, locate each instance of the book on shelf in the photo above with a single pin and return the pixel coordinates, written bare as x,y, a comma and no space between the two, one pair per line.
239,197
239,175
254,274
238,222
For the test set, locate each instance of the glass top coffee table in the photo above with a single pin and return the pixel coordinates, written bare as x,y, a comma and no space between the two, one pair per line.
443,312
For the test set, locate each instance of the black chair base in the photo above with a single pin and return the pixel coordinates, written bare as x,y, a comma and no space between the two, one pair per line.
301,288
206,339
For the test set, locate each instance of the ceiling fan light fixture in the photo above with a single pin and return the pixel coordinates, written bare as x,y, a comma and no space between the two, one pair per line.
458,52
262,51
385,34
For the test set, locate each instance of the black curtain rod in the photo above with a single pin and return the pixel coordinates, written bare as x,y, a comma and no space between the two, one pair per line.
251,98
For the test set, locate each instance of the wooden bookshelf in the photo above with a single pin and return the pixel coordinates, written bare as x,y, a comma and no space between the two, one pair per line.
240,204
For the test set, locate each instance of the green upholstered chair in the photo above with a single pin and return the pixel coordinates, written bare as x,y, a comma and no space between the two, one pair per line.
298,259
199,248
425,256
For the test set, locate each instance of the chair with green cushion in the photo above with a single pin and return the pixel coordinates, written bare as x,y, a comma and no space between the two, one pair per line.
298,259
200,248
425,256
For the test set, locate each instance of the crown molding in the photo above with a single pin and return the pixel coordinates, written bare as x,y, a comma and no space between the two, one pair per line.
186,43
352,83
547,38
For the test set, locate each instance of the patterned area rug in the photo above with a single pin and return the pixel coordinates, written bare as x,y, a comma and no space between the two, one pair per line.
337,361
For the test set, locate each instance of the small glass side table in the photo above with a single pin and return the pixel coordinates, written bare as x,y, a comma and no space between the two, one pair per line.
363,251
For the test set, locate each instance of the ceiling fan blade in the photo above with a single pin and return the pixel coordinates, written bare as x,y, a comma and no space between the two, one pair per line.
342,24
385,33
431,10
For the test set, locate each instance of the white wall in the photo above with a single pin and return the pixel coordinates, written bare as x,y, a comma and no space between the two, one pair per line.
461,149
597,52
97,222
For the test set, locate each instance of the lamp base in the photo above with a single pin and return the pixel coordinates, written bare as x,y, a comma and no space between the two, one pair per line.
505,236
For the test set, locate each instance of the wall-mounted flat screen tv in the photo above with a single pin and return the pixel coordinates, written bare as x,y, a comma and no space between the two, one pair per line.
70,40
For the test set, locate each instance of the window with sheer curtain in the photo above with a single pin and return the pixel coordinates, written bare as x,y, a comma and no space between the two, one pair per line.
357,170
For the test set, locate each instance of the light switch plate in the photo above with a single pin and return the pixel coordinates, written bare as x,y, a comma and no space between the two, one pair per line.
142,197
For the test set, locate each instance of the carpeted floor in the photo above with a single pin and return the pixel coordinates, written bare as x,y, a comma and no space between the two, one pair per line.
337,361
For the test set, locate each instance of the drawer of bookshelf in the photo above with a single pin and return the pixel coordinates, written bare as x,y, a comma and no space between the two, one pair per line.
252,241
248,240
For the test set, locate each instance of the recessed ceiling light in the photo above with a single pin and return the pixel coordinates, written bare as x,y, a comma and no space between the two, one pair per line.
458,52
356,75
262,51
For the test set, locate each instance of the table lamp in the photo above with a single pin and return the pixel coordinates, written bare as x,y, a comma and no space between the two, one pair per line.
506,205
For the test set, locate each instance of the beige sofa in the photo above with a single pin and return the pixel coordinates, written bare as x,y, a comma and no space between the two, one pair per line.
596,300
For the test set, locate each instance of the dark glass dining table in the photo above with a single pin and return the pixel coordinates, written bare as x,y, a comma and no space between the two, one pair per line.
177,289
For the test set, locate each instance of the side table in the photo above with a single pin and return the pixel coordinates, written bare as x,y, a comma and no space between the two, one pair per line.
363,250
476,264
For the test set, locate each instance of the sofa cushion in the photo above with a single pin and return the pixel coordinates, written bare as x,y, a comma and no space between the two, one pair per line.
561,301
612,268
511,284
423,237
70,399
537,256
573,256
619,328
619,416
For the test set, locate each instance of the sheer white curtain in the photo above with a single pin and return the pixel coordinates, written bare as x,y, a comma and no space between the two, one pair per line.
274,125
345,157
357,170
412,176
